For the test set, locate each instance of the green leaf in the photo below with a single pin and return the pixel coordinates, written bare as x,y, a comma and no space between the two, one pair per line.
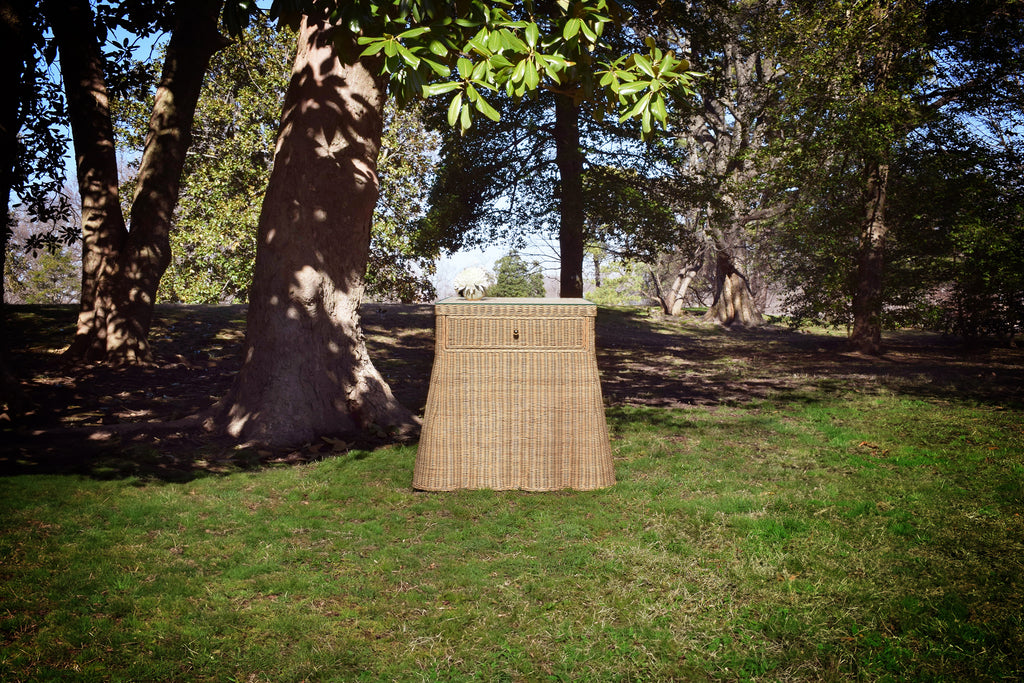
532,35
494,41
519,71
407,56
588,32
486,109
438,68
440,88
659,110
453,109
479,70
632,88
438,48
572,27
510,41
644,65
498,62
414,32
466,119
531,77
373,49
465,67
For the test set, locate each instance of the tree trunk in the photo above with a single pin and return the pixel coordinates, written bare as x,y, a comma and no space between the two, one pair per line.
147,252
306,371
733,303
867,296
674,305
15,53
121,270
569,160
103,226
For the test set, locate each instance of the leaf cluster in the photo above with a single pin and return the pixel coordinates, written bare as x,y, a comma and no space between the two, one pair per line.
471,49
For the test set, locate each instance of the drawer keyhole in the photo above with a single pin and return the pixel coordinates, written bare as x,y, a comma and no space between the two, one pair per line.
515,334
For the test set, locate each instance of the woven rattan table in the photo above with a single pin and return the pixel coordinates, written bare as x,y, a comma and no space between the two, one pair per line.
514,399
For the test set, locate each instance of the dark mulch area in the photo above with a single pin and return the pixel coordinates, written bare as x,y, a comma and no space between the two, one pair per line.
644,360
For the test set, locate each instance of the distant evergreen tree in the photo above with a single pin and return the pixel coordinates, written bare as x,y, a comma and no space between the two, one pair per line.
515,277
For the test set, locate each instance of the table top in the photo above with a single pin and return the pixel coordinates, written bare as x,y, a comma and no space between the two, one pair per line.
514,301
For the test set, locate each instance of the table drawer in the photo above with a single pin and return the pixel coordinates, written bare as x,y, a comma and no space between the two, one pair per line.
515,333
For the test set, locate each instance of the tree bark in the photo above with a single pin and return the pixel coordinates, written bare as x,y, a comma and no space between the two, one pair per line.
733,304
147,252
15,55
103,226
681,284
306,371
868,293
569,160
120,269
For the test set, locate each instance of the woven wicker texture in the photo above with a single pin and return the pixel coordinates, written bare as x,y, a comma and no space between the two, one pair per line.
514,399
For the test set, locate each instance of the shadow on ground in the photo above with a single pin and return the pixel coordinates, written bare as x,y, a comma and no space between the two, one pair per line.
644,360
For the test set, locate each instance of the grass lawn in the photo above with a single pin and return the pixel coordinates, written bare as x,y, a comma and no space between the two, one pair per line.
835,530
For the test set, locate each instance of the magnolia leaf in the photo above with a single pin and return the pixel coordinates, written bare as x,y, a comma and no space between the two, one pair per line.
373,49
438,68
632,88
531,77
532,35
572,27
486,109
498,62
439,88
453,109
659,110
588,32
407,56
519,71
414,32
438,48
644,65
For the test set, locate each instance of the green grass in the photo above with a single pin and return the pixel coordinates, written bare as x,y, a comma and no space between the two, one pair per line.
825,537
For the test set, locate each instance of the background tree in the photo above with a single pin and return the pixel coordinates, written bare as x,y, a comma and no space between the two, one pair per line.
880,72
515,277
526,172
122,269
721,135
227,167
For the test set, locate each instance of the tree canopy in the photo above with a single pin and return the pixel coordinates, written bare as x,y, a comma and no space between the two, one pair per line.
516,278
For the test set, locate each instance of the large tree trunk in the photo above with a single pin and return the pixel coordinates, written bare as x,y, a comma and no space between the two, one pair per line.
867,296
306,371
15,53
15,56
103,226
121,270
569,160
733,303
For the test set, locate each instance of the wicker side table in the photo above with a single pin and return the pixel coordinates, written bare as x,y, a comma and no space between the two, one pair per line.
514,399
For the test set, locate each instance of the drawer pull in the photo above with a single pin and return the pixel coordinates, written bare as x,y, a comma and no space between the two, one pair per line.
515,334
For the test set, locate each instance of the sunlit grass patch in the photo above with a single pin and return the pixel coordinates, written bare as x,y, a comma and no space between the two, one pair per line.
836,536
